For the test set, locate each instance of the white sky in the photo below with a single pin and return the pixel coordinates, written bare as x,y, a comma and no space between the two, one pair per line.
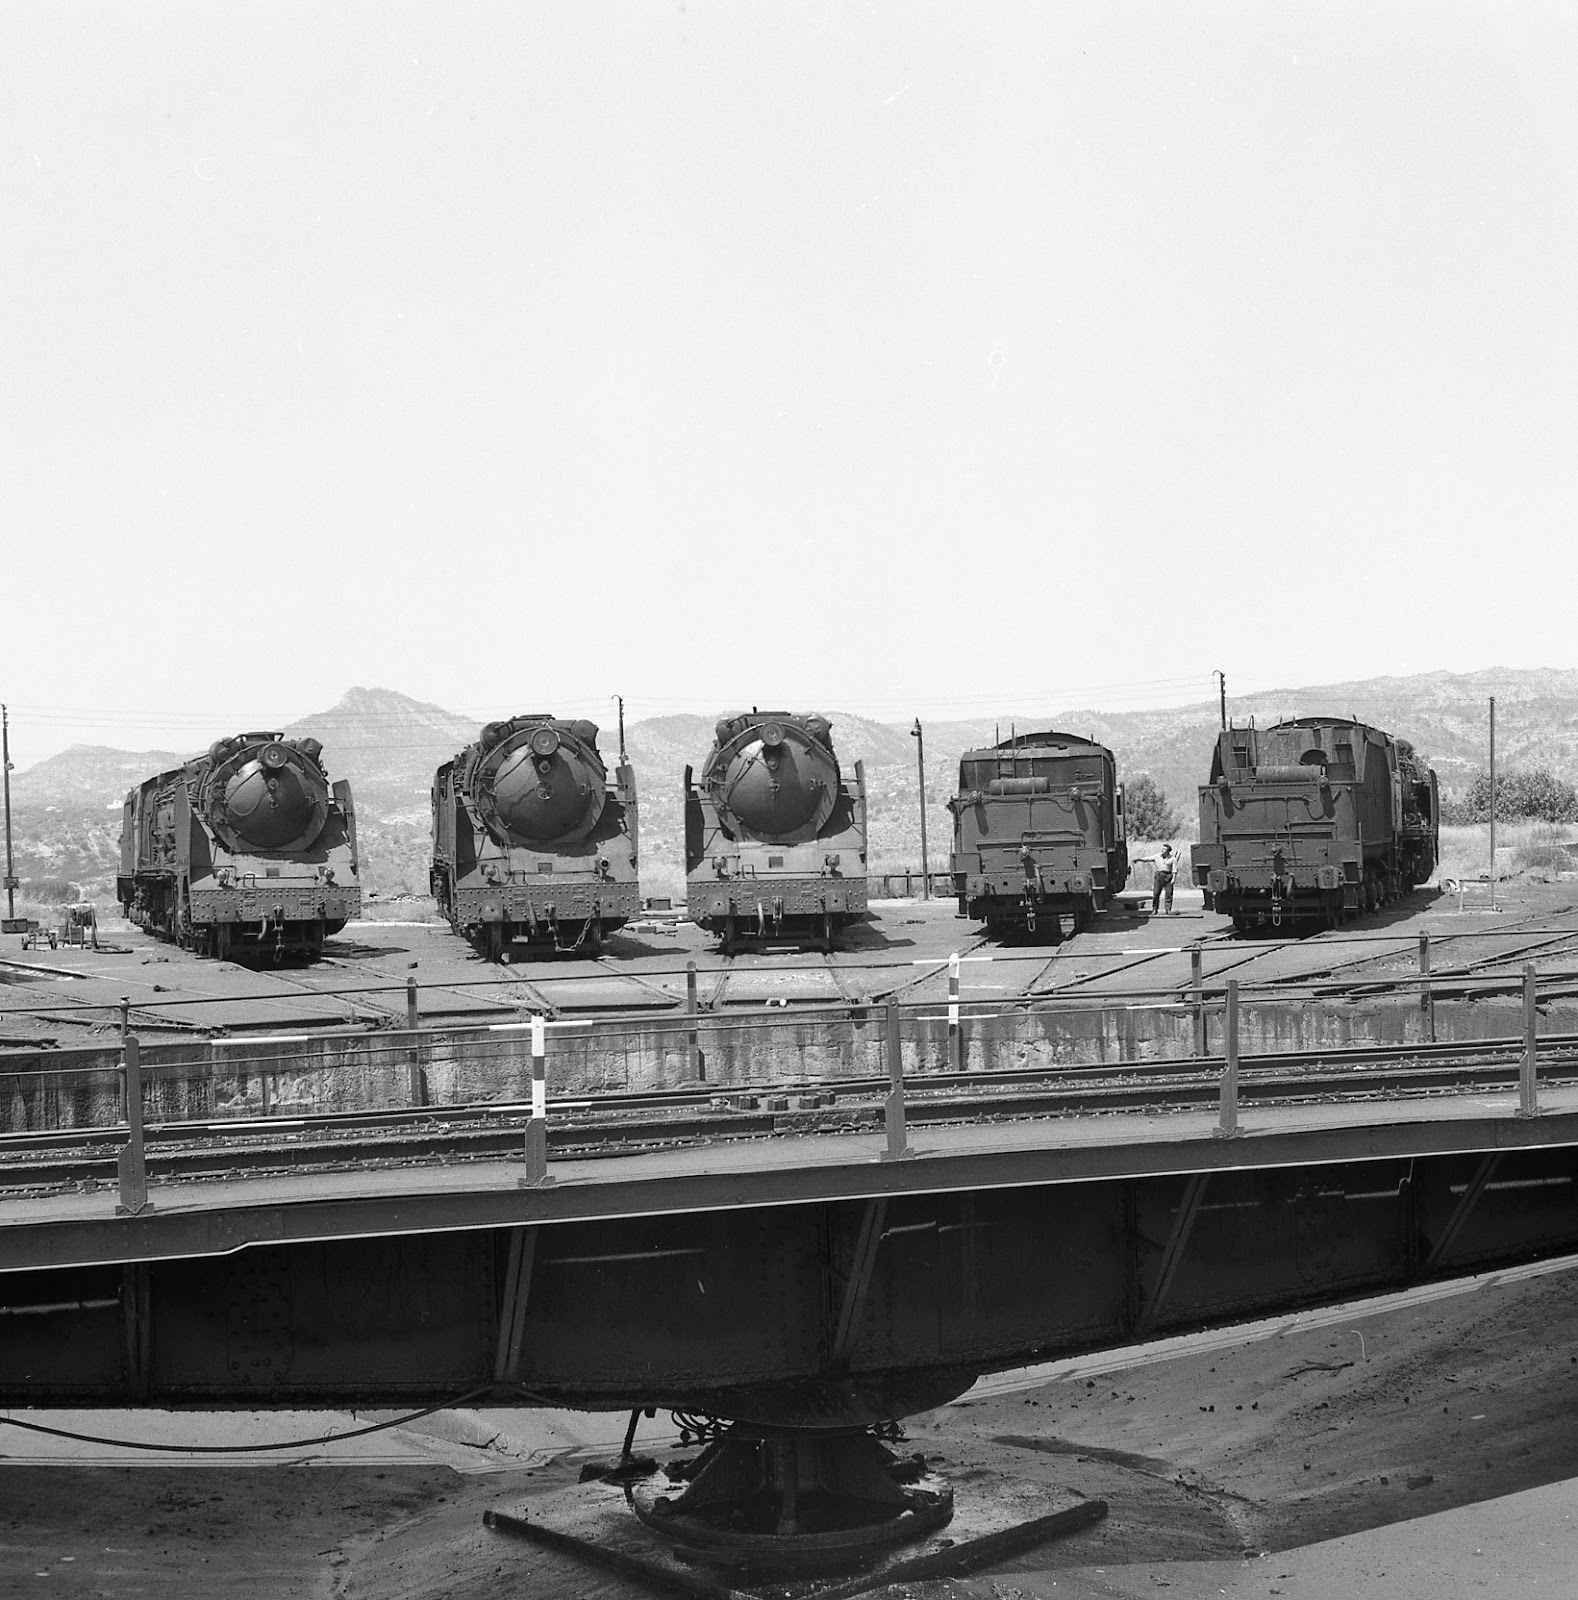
891,357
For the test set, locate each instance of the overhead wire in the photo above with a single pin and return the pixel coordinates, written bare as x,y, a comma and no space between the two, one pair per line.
154,717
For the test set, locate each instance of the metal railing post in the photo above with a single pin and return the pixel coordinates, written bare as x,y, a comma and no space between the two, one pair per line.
1227,1124
695,1063
955,1043
1528,1087
413,1021
1197,982
132,1162
1427,999
537,1128
125,1016
893,1107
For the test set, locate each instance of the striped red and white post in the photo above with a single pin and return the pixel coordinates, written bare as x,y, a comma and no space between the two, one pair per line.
955,1054
1227,1120
537,1128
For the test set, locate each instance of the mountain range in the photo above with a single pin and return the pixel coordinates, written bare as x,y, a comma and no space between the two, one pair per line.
67,808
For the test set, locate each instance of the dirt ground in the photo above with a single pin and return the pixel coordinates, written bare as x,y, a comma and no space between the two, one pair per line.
1422,1451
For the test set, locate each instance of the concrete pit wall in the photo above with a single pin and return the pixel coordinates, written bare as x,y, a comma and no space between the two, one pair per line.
237,1078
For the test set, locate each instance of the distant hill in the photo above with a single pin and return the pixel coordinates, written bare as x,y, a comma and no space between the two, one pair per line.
67,807
1445,716
389,746
89,774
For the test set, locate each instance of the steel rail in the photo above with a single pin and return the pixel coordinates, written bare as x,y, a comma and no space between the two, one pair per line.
615,1022
619,1121
1475,968
73,1009
568,1136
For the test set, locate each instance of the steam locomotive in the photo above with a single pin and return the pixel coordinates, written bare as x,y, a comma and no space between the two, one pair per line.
245,849
531,840
1313,820
1038,833
775,840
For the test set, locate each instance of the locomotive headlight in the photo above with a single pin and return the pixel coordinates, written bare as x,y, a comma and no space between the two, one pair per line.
274,756
772,734
544,742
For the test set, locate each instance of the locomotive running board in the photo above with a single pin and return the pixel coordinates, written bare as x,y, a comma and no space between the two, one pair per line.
990,1522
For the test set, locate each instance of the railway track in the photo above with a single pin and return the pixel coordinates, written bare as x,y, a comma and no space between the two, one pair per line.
617,1124
934,969
859,981
709,997
847,991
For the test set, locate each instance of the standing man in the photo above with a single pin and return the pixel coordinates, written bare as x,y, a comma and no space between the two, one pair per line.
1166,866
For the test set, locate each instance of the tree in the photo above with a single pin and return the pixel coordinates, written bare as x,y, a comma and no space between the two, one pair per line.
1150,817
1535,794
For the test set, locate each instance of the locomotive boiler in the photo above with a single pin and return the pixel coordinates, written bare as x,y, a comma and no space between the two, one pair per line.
1313,820
247,849
775,838
1038,834
532,841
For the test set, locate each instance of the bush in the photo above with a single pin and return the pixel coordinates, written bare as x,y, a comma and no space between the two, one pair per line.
1536,795
1150,816
53,891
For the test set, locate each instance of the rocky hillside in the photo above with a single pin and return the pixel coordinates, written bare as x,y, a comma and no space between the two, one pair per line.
67,809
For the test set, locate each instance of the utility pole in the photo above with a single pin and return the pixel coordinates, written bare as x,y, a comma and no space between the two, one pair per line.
11,923
1221,679
621,699
920,762
1493,802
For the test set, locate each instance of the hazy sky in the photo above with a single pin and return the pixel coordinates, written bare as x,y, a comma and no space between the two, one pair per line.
903,358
